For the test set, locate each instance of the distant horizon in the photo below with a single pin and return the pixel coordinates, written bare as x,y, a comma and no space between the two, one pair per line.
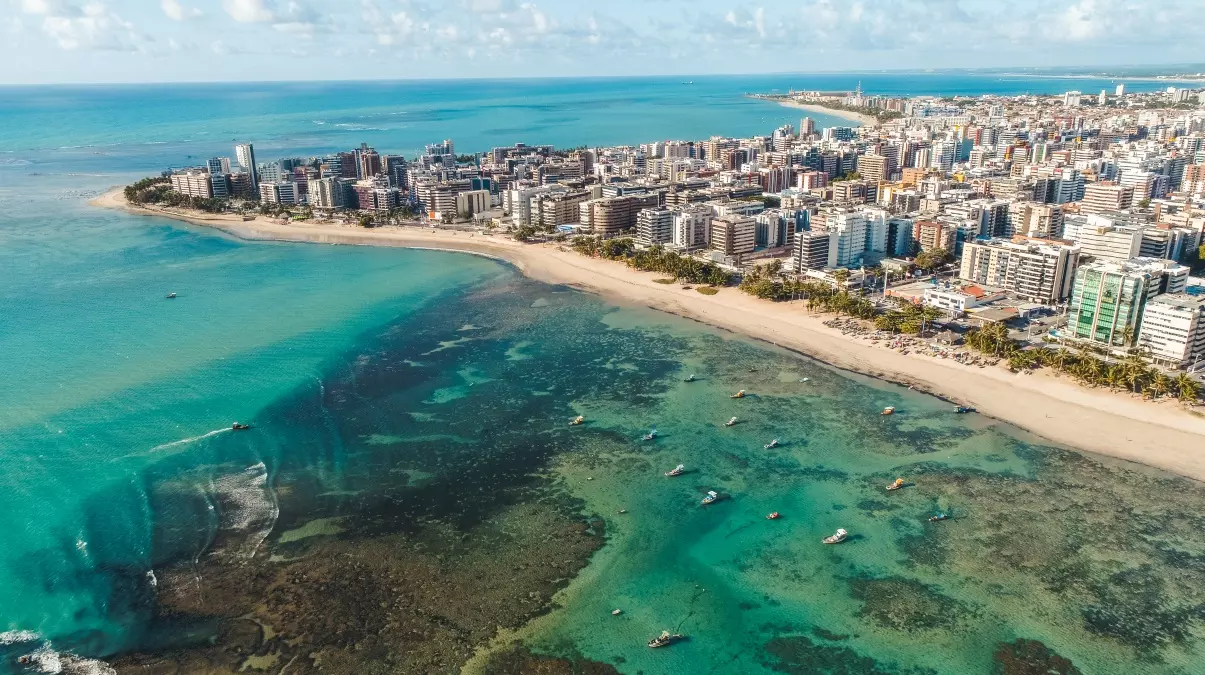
1070,72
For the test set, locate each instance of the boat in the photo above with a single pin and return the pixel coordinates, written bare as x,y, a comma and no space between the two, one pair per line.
712,495
806,380
889,410
616,612
772,444
691,378
622,511
899,483
840,536
739,394
773,516
650,435
938,517
962,410
171,296
577,420
665,639
239,427
730,423
676,471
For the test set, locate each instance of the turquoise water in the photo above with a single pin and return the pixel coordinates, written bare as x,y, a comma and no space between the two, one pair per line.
411,447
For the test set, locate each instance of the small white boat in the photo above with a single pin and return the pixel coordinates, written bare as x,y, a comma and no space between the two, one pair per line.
771,445
710,498
652,435
690,379
577,420
739,394
837,538
171,296
616,612
676,471
899,483
806,380
730,423
666,638
889,410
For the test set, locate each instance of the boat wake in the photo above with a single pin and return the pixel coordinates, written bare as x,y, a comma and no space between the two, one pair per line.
186,441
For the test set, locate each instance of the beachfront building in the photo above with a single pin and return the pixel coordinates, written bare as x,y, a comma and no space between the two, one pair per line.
472,202
691,226
517,203
1036,270
552,210
812,250
328,193
280,192
193,183
244,154
1108,299
733,235
654,227
1173,329
956,301
610,216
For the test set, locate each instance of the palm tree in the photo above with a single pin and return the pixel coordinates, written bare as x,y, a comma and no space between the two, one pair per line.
1136,372
1160,386
1187,388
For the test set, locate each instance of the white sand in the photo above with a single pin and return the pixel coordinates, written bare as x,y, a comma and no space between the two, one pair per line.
860,118
1163,435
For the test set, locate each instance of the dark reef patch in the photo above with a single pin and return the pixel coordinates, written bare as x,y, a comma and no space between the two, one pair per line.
798,655
1029,657
521,661
906,605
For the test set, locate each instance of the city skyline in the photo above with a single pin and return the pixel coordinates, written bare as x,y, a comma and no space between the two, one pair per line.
88,41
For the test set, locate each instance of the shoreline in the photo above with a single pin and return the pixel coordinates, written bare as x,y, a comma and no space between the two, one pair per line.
1160,435
861,119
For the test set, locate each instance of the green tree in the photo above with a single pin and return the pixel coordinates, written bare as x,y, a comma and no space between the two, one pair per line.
1187,389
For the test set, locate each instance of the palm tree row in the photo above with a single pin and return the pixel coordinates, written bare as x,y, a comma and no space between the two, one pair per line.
655,259
908,318
1132,374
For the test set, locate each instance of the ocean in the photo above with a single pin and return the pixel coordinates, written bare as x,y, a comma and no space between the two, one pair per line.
411,483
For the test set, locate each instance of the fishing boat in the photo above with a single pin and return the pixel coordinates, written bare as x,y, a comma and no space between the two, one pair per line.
889,410
730,423
739,394
712,495
676,471
772,444
938,517
650,435
616,612
806,380
239,427
963,410
899,483
577,420
171,296
840,536
773,516
691,378
665,639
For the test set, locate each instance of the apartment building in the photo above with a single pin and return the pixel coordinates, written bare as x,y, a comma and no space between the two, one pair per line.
733,235
1037,271
1108,298
1173,329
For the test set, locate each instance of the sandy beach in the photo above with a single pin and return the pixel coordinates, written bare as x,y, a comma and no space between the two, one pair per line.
860,118
1163,435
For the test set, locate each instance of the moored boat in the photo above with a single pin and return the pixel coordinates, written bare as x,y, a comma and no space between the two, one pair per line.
239,427
772,444
171,296
676,471
773,516
712,495
840,536
666,638
730,423
650,435
899,483
616,612
739,394
691,378
938,517
889,410
963,410
577,420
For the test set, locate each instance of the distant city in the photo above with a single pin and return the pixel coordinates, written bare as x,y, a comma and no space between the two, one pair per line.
1086,208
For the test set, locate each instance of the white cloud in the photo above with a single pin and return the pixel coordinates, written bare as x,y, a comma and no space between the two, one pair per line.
248,11
178,12
92,25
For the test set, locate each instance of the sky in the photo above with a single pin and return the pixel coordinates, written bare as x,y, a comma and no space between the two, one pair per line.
52,41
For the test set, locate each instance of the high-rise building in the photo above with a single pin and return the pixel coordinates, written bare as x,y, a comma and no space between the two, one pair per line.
328,193
873,168
1037,271
692,226
812,250
1102,239
654,227
1106,196
193,183
1108,298
1121,90
932,234
245,155
733,235
1173,329
610,216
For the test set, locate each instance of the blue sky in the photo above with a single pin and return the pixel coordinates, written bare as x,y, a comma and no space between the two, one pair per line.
207,40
